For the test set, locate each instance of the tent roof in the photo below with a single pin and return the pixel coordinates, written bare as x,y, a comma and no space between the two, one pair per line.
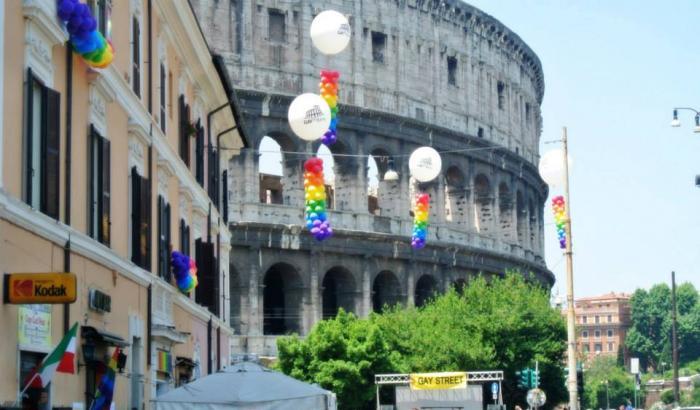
243,382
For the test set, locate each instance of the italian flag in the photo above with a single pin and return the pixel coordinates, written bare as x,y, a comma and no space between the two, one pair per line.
61,359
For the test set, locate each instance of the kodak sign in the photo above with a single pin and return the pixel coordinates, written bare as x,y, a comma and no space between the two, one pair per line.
39,288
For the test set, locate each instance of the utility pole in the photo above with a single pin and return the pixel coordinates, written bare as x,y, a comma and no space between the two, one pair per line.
676,387
570,315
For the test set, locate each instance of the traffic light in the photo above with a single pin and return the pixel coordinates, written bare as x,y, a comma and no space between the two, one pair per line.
524,378
535,382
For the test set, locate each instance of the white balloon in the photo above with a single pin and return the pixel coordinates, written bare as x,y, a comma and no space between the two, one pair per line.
551,167
309,116
425,164
330,32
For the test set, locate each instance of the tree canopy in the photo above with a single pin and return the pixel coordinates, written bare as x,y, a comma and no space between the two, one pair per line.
606,382
499,324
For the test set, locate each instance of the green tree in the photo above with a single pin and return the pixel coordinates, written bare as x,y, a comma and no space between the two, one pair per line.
502,324
604,379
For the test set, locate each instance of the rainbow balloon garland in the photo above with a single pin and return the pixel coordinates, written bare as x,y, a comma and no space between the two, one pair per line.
560,219
185,270
329,92
315,196
421,211
84,36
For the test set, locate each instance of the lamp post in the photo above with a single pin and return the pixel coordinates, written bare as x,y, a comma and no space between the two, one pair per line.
675,122
607,396
555,176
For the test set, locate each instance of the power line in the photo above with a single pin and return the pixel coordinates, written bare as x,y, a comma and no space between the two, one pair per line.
303,153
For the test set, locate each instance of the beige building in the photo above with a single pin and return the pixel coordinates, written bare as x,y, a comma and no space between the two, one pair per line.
602,323
102,174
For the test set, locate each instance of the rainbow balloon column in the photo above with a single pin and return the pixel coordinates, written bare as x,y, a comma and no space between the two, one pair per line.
84,37
315,195
421,211
560,219
185,270
329,92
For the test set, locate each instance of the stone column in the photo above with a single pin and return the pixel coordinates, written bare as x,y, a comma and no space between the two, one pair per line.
293,183
438,201
315,305
410,269
255,311
366,308
351,185
244,185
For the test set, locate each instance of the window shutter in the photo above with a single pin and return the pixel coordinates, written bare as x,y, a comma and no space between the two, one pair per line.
186,138
200,154
160,235
145,223
162,97
205,293
29,98
224,193
105,199
136,255
167,246
51,153
137,56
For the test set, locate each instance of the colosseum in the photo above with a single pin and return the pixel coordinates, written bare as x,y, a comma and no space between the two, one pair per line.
417,72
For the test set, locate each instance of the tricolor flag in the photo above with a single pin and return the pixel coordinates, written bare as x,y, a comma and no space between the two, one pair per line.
61,359
105,390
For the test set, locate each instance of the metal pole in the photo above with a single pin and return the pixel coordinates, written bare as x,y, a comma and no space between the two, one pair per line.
570,316
676,387
377,397
607,396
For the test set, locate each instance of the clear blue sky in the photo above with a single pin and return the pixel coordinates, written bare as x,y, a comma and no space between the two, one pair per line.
613,72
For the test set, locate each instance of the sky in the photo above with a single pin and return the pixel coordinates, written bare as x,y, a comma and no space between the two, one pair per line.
614,70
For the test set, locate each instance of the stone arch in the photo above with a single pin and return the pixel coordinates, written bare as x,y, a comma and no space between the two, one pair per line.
426,289
386,290
282,299
455,197
483,203
338,291
281,182
505,211
521,215
377,161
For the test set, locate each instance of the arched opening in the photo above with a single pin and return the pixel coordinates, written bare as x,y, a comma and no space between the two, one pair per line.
426,289
483,199
505,211
459,285
328,173
386,291
279,174
235,292
521,218
455,198
338,292
533,224
282,300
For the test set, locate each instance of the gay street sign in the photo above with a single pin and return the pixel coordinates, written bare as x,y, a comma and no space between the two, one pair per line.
39,288
438,381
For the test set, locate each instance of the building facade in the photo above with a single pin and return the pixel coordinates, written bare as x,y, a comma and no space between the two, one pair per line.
602,323
103,172
416,72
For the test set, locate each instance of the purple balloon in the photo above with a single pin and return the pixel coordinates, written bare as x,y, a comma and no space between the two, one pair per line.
65,9
317,222
315,231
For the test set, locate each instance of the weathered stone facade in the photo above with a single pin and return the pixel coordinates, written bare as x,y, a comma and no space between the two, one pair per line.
417,72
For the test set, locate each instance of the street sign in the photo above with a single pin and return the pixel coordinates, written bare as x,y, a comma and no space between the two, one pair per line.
634,365
39,288
536,398
438,381
494,388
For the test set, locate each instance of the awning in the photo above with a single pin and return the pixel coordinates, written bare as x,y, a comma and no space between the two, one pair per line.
89,333
185,362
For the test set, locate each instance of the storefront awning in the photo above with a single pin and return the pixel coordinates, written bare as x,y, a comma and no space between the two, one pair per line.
89,333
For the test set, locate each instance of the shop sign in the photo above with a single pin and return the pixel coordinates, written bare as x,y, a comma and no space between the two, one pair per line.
34,327
438,381
33,288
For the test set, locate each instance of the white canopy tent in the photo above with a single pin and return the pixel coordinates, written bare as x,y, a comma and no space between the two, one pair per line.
248,386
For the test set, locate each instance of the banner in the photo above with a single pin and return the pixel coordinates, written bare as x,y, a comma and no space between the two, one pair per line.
34,327
438,381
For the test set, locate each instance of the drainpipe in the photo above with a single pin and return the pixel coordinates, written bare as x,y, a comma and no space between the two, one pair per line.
150,57
69,144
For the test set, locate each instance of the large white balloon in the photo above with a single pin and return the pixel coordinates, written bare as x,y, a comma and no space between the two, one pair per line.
552,168
330,32
309,116
425,164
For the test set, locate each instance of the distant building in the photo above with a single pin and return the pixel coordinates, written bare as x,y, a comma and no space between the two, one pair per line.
601,325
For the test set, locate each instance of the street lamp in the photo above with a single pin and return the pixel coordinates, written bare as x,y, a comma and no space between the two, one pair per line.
607,396
675,122
391,174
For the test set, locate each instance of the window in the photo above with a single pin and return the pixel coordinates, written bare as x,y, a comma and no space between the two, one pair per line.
611,346
528,117
585,319
199,154
42,146
276,26
162,97
597,319
597,334
584,334
378,46
135,56
586,348
480,134
501,88
163,239
598,348
140,220
610,333
205,293
35,397
213,175
99,187
102,11
452,70
184,144
184,237
609,318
